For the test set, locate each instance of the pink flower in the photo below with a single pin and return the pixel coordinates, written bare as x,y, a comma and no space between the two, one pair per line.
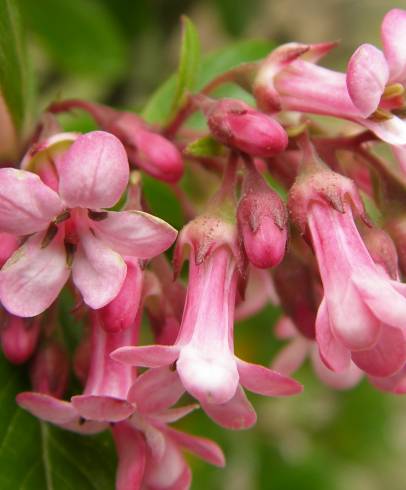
71,231
361,316
290,358
203,351
289,80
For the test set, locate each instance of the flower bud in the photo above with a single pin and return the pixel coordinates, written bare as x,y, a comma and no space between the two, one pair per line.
49,370
397,229
146,148
234,123
19,338
120,313
382,250
262,221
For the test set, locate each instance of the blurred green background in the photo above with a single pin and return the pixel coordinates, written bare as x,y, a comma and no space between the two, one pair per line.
119,52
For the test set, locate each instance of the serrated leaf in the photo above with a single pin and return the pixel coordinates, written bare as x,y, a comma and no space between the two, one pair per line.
35,455
189,64
14,72
204,147
81,37
158,109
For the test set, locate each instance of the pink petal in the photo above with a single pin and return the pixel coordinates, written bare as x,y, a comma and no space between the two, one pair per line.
156,390
285,328
289,359
102,408
132,453
339,381
86,427
387,357
236,414
367,76
98,272
265,381
33,276
94,171
27,205
47,407
135,233
334,354
174,414
393,33
203,448
151,356
383,298
392,131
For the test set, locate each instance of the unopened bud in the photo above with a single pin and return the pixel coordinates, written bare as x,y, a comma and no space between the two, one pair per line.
236,124
397,230
382,250
146,148
19,338
49,370
120,313
262,220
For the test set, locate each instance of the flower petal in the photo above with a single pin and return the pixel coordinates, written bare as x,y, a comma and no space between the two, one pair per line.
94,171
102,408
174,414
367,76
156,390
203,448
387,357
98,272
47,407
33,276
135,233
131,451
392,131
236,414
151,356
332,351
265,381
27,205
393,33
289,359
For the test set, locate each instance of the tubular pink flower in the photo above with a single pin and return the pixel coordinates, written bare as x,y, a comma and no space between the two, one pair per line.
287,80
363,310
71,230
206,363
19,338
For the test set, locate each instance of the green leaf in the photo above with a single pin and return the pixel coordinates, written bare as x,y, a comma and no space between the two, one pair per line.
159,107
204,147
189,64
14,72
35,455
81,37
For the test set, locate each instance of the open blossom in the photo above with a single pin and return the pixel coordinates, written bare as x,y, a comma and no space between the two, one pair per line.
203,351
71,231
290,80
361,316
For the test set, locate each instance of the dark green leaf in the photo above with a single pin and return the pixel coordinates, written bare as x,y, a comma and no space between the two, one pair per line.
14,72
82,37
189,63
38,456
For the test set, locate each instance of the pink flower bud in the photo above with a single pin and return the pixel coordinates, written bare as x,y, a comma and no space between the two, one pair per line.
234,123
397,230
120,313
382,250
19,338
262,220
146,148
50,370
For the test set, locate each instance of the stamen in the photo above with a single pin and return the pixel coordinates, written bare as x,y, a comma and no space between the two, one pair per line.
70,249
49,235
380,115
62,217
97,215
393,90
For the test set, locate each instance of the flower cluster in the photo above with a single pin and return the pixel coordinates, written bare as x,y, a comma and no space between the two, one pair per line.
73,217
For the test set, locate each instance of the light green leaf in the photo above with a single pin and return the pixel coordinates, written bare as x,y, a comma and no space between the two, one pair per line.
205,147
38,456
159,107
189,64
14,72
81,36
